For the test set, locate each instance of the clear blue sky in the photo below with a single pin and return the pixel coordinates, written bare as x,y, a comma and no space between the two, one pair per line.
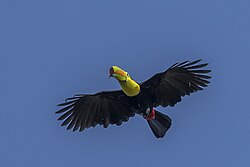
52,49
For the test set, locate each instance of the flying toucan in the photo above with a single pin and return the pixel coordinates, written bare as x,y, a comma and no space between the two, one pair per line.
114,107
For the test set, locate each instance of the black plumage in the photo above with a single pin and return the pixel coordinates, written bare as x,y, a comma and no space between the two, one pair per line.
114,107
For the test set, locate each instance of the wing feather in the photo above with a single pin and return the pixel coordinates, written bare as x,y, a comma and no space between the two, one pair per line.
168,88
104,108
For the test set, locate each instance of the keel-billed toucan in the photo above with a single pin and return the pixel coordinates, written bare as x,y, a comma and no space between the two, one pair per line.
114,107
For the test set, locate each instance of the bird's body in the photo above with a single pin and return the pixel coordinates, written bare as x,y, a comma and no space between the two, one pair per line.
114,107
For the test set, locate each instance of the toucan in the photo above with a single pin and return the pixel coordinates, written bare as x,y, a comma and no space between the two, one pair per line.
164,89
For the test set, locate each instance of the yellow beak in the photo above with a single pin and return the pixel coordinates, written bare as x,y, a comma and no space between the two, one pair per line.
118,73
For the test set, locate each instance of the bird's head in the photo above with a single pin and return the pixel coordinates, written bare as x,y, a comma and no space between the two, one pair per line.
118,74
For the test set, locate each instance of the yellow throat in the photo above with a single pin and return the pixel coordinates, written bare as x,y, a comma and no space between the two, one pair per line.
129,86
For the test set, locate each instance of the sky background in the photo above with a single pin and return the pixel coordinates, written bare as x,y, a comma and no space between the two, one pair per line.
53,49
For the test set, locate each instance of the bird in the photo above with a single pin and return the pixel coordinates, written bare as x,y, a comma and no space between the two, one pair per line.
114,107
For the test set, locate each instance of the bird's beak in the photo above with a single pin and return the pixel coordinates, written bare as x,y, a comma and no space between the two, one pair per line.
111,72
117,73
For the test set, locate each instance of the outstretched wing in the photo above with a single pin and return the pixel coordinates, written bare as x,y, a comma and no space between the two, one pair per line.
167,88
104,108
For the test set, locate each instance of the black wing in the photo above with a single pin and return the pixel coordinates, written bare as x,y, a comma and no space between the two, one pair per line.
167,88
104,108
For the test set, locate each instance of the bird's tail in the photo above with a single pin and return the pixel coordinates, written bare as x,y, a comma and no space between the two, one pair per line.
160,124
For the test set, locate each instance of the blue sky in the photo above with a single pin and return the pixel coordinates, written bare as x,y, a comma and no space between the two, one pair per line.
54,49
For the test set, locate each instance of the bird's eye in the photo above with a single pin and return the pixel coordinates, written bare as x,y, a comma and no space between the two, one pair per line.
127,74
